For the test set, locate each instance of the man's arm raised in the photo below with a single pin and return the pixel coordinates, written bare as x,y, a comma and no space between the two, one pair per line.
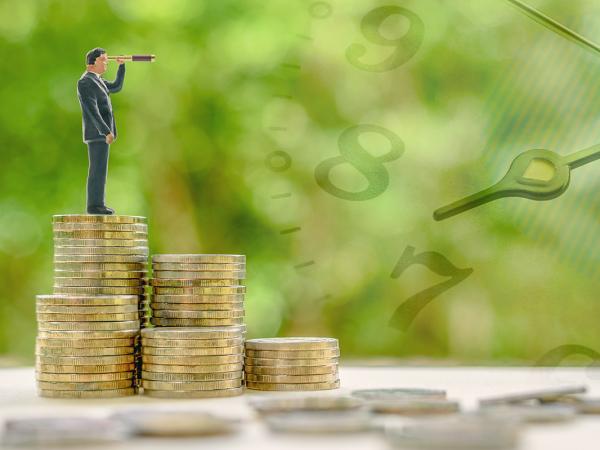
117,85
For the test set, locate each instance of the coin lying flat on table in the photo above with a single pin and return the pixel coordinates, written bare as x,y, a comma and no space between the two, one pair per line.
292,379
541,395
400,394
194,394
198,258
321,421
311,403
414,406
108,393
530,413
293,387
87,386
292,343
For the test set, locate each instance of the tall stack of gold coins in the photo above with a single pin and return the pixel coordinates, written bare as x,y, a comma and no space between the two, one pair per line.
198,290
203,296
99,285
292,364
86,345
198,362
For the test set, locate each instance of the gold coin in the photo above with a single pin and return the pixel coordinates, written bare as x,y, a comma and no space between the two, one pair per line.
117,243
85,344
90,310
193,283
58,317
202,368
97,282
88,290
198,258
293,387
194,394
90,386
287,370
192,299
97,218
88,326
290,362
84,377
168,314
104,336
193,360
293,354
107,393
292,343
70,300
216,376
84,360
189,267
102,368
190,385
214,275
100,267
95,274
193,343
292,379
195,333
101,259
160,322
209,290
101,234
74,351
197,306
75,250
90,226
187,351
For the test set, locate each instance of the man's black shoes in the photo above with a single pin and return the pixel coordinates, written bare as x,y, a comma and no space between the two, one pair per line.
100,210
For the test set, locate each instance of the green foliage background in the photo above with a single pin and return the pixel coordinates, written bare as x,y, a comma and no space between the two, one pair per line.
197,128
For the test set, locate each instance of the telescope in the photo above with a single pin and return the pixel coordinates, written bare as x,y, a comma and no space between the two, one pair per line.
134,58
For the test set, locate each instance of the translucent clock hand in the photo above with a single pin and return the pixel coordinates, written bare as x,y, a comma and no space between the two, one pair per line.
535,174
555,26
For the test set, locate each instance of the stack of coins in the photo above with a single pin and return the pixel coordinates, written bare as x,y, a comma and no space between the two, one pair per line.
199,362
198,290
86,345
101,255
292,364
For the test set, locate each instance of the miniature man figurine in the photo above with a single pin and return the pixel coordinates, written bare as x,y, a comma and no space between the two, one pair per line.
99,128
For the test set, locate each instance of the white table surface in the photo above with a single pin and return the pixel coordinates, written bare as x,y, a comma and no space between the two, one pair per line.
467,384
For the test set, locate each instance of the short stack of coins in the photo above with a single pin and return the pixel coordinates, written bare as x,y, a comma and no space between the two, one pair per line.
292,364
85,346
198,290
198,362
102,255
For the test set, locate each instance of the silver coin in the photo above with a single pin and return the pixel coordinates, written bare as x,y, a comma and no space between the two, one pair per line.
399,393
321,422
288,403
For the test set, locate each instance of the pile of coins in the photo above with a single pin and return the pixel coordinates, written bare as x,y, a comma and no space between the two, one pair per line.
198,290
86,345
292,364
199,362
102,255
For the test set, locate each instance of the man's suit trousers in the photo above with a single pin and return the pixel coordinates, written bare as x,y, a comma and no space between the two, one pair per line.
98,156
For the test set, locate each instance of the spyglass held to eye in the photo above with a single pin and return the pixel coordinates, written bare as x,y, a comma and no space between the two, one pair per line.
133,58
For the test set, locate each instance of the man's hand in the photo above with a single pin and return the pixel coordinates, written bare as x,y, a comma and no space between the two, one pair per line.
110,138
120,61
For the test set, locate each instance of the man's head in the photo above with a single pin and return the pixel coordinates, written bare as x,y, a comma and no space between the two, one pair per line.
96,60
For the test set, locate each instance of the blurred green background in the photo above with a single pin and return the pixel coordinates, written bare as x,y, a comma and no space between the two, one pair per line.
235,81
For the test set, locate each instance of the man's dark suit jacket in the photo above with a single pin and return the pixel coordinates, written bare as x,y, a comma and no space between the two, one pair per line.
94,98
